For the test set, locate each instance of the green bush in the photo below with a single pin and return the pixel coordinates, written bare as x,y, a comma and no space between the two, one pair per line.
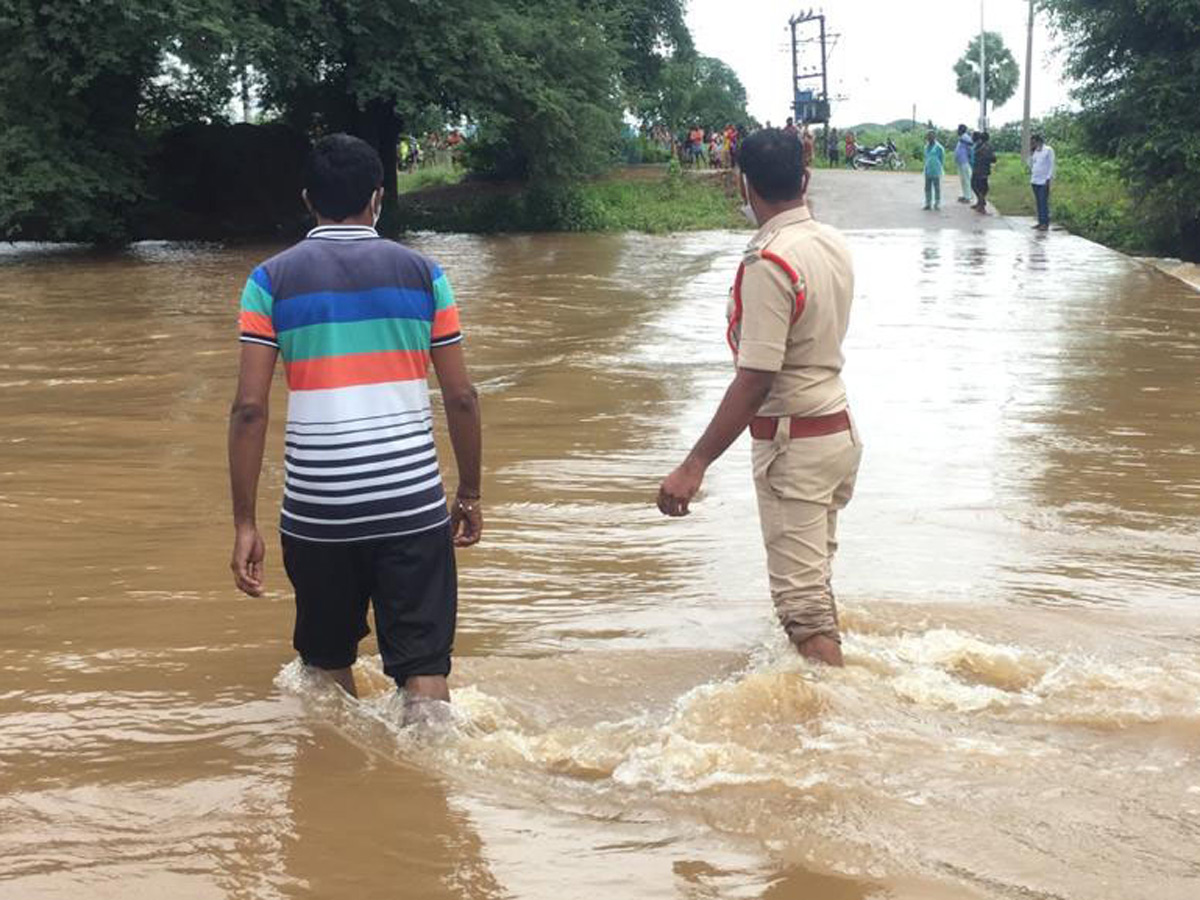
674,203
429,176
639,150
1089,197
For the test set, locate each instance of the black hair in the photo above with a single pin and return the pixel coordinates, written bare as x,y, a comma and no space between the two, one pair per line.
985,137
962,129
1038,138
342,174
773,163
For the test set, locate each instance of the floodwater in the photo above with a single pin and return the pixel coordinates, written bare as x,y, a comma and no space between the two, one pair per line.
1020,712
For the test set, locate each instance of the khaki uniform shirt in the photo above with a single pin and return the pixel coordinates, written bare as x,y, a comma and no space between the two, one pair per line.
805,349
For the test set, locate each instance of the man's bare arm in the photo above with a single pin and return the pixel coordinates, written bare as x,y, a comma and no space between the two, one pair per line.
247,438
461,401
738,408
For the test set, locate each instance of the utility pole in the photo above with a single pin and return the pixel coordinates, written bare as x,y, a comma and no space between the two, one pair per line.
824,72
793,22
982,72
1025,124
807,107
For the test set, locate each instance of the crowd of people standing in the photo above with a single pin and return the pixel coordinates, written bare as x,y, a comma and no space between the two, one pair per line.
435,148
975,158
717,148
699,147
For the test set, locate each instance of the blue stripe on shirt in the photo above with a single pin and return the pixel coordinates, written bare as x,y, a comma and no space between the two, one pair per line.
352,306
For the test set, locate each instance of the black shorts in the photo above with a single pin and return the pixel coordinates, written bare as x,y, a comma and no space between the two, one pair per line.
411,581
979,184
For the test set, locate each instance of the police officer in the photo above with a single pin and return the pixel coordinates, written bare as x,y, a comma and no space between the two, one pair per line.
787,316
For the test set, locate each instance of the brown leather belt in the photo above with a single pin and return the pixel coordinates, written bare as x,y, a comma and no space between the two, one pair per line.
764,428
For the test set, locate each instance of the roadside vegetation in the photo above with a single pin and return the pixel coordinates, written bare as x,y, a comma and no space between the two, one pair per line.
1088,197
426,177
192,118
655,202
1137,66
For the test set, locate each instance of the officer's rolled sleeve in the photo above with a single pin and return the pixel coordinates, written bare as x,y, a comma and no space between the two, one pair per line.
768,303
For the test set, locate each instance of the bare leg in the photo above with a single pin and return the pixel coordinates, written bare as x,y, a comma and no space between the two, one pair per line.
343,678
425,700
427,687
821,648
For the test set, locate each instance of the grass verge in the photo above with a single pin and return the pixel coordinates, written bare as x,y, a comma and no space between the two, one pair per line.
429,177
1088,198
672,201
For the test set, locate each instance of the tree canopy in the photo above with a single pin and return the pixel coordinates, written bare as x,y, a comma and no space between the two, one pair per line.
88,88
73,80
1002,73
693,89
1137,71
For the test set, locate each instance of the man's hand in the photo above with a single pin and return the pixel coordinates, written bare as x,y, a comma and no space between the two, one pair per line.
247,563
466,520
740,404
678,489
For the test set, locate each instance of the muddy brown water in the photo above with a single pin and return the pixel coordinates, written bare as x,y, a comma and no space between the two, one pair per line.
1020,712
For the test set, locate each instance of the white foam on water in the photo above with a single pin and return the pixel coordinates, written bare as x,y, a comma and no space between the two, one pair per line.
757,726
968,734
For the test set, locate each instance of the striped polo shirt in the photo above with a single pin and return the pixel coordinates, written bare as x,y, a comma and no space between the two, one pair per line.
354,317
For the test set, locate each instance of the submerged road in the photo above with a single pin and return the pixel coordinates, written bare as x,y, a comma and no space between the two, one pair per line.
880,200
1019,713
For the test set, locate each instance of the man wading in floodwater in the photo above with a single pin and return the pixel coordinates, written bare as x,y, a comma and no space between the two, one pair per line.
357,319
788,315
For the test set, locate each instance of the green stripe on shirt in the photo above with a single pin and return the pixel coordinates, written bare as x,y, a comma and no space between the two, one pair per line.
256,299
443,294
367,336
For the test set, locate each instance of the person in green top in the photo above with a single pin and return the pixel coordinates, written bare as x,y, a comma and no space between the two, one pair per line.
935,165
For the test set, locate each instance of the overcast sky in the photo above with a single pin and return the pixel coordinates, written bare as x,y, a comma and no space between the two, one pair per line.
887,55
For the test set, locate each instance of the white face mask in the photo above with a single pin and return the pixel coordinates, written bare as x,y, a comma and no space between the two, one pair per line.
747,209
378,212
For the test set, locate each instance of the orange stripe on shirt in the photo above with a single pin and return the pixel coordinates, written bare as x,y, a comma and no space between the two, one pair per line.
256,323
445,322
356,368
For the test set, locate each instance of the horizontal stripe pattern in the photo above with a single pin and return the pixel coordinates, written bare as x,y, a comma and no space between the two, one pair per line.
340,306
256,323
370,336
355,317
384,480
254,317
344,232
355,368
346,407
445,323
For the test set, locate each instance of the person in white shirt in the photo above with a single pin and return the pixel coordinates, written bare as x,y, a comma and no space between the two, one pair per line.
1041,173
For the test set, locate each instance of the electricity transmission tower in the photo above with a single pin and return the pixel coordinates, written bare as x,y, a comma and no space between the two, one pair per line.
808,104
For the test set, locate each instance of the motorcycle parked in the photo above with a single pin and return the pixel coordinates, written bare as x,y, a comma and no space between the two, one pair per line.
885,156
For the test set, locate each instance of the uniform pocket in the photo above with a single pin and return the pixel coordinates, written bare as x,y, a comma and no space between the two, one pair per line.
763,457
811,469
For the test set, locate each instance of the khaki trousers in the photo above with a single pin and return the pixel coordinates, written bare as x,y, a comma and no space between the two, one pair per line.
802,483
